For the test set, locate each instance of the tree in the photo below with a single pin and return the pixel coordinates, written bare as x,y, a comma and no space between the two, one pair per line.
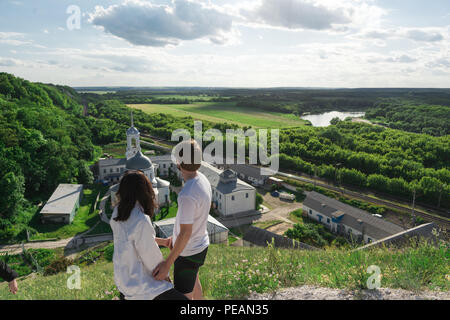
12,190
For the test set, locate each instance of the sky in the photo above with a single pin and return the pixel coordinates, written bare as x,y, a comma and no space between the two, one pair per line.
228,43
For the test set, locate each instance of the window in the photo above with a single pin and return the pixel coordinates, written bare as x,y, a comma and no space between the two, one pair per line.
328,220
310,211
118,170
232,198
104,170
164,165
246,195
111,170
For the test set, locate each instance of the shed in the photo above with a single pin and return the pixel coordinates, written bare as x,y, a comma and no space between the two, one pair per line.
260,237
63,204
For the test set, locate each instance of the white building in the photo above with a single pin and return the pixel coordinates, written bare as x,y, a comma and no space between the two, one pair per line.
163,164
346,220
230,195
112,169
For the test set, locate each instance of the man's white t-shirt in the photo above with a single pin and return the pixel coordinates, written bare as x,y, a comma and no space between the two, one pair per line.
194,203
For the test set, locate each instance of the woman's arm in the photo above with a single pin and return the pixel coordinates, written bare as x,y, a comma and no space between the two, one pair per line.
146,245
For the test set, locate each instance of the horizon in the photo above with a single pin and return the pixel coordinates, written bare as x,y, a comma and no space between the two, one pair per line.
318,44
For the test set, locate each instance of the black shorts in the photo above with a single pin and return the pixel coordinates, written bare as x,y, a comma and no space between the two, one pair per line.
171,294
185,271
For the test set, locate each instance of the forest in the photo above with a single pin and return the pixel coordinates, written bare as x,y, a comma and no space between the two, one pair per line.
412,117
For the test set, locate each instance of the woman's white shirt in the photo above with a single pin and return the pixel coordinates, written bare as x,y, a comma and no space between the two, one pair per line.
136,254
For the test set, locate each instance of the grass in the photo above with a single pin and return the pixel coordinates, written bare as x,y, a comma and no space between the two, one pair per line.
225,112
234,272
85,218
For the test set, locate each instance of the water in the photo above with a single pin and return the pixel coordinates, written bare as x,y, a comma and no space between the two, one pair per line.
323,119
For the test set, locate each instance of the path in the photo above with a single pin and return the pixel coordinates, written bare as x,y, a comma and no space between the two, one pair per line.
318,293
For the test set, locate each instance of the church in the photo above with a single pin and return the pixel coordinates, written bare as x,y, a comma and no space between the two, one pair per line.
111,170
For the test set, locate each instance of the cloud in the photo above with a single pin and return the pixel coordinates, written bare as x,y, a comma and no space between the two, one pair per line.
297,14
8,62
148,24
415,34
337,15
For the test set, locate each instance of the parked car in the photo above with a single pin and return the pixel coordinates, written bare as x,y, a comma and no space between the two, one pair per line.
275,194
377,215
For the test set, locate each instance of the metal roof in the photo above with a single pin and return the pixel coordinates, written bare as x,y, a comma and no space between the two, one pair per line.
374,227
166,226
213,175
63,199
112,162
247,170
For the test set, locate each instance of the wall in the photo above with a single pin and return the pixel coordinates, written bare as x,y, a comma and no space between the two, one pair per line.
240,202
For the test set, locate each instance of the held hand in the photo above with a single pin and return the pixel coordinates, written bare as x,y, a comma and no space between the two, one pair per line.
161,271
13,286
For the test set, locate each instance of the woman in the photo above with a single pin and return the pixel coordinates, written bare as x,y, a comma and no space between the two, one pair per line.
136,252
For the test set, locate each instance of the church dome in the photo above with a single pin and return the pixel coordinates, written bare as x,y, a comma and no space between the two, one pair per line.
132,131
139,162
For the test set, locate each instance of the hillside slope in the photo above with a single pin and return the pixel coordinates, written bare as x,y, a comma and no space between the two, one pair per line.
237,272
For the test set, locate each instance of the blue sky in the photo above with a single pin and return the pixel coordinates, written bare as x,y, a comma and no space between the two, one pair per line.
247,43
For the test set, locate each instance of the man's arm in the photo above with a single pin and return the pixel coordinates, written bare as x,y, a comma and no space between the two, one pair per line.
9,276
6,273
160,272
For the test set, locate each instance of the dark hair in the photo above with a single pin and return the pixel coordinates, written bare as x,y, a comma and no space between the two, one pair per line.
192,165
135,186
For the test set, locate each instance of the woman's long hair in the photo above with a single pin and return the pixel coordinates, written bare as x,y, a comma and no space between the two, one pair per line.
135,186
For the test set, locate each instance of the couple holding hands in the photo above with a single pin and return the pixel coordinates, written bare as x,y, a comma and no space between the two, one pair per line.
140,271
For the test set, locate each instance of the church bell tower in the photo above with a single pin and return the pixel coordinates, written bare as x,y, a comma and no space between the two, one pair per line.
133,140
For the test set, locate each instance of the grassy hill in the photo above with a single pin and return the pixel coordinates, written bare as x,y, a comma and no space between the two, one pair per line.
235,272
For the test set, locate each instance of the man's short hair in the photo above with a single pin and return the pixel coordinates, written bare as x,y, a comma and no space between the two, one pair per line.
193,162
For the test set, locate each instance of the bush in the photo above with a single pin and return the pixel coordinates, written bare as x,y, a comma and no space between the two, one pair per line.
109,252
57,266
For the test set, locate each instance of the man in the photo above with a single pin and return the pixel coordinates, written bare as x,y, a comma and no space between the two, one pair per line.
190,241
10,276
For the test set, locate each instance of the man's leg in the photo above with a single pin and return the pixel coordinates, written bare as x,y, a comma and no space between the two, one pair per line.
197,294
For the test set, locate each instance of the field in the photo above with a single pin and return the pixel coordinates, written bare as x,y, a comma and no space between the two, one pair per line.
225,112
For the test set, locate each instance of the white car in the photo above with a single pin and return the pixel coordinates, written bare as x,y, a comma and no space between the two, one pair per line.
378,216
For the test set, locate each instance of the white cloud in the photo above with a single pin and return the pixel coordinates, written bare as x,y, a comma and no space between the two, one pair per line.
415,34
148,24
336,15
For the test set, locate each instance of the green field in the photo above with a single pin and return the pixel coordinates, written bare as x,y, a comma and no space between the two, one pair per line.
225,112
